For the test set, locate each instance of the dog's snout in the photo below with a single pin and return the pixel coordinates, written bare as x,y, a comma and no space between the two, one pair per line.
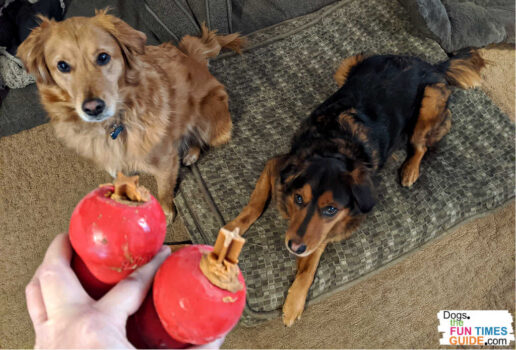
298,248
93,107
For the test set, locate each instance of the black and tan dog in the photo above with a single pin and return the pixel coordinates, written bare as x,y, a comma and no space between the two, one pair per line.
323,185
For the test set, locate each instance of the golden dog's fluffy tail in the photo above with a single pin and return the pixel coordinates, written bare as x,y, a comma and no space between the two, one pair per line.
463,69
209,44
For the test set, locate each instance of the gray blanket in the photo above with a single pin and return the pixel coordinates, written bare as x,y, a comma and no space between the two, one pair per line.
457,24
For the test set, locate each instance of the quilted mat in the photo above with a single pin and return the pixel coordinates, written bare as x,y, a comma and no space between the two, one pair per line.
286,72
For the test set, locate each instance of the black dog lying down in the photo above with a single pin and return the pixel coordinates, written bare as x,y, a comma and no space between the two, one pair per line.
323,185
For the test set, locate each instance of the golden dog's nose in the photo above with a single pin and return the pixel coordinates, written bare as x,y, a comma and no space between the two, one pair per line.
93,107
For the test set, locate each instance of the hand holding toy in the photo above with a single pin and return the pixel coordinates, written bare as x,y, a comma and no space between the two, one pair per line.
198,294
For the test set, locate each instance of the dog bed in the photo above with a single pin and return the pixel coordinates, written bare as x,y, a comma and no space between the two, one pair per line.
273,86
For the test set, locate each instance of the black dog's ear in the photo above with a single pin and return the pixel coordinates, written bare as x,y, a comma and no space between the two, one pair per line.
364,197
289,167
362,189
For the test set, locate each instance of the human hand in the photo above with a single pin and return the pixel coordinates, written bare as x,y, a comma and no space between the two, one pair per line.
65,316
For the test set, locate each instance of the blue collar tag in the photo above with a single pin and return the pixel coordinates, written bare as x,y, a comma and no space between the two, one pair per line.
118,129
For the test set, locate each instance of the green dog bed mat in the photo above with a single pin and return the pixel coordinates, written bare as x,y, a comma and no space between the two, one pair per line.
283,75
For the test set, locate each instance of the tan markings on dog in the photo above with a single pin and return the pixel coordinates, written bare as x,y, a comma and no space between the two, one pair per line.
296,297
346,119
286,207
343,228
376,159
305,192
317,229
343,147
342,72
261,193
465,73
432,124
296,217
159,93
326,199
358,175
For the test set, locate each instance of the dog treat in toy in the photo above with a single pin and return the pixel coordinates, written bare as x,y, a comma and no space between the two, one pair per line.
198,296
115,229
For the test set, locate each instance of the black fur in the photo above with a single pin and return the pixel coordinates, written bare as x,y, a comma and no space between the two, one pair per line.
382,94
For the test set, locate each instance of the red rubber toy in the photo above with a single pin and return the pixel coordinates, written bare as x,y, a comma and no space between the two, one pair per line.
198,296
115,229
198,293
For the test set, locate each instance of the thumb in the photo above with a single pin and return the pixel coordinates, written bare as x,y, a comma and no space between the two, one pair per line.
127,296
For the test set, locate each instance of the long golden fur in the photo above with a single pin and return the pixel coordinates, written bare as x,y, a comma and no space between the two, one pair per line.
164,97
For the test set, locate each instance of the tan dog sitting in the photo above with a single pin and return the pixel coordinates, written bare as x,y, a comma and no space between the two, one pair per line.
127,106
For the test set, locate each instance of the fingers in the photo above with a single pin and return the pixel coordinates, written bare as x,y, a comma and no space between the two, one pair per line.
35,304
127,296
58,283
59,251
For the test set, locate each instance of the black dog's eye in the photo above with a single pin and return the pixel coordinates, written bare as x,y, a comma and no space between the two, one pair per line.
63,67
103,59
329,211
298,199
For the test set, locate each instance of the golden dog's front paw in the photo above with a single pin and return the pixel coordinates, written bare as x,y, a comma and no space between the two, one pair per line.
192,156
293,308
170,212
409,174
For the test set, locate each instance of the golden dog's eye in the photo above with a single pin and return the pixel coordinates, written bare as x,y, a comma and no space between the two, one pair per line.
63,67
298,199
329,211
103,59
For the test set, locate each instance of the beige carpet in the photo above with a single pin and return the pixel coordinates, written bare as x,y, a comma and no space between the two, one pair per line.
40,184
499,76
470,268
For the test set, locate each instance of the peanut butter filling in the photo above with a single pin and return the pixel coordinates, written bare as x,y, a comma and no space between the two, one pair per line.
128,191
220,265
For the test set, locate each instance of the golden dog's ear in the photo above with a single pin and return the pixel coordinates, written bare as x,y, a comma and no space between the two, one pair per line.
31,52
131,41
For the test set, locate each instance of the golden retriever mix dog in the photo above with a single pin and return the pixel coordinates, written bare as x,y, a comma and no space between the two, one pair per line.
127,106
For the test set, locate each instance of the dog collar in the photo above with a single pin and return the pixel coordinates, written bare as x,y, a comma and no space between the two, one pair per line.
117,129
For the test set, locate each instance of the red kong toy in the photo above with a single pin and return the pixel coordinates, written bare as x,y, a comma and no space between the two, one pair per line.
113,230
198,293
198,296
